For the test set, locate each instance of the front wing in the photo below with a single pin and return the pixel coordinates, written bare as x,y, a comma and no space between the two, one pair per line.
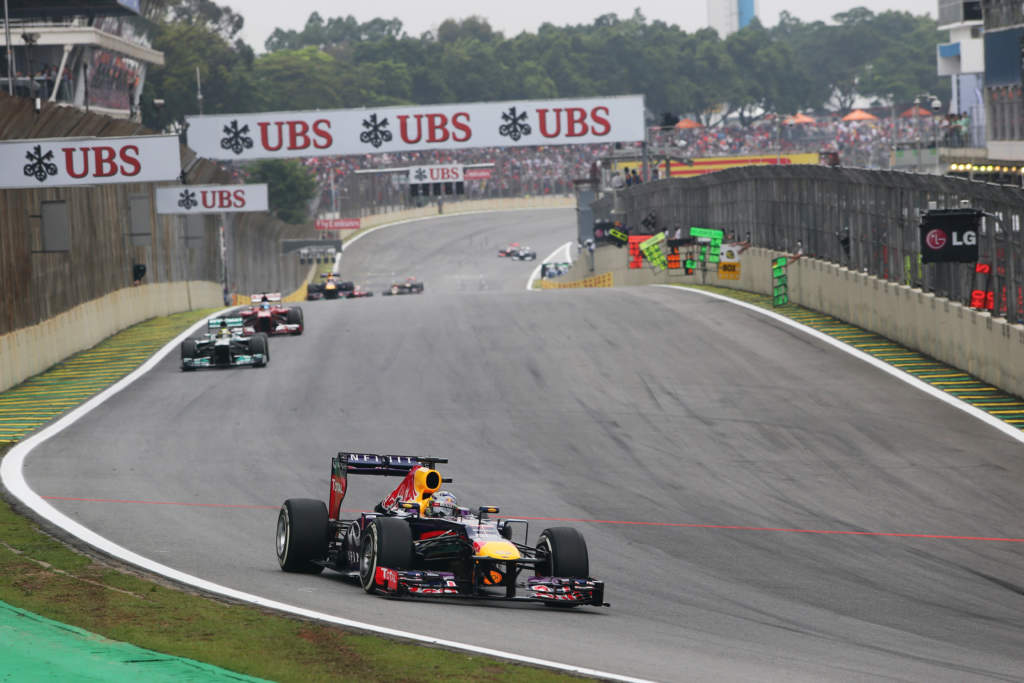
237,359
544,589
279,328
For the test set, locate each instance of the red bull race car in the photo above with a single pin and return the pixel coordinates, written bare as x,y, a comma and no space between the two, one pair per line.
268,315
420,543
332,287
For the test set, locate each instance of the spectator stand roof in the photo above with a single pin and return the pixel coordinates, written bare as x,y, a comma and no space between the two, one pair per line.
56,9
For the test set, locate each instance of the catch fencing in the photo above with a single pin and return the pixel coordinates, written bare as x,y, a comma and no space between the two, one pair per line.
865,220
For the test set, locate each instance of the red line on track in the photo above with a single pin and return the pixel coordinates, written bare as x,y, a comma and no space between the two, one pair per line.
678,525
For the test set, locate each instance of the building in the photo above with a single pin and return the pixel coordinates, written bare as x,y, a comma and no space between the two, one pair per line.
963,60
90,54
1003,32
729,16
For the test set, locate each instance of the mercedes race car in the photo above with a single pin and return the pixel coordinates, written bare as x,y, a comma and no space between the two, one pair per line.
332,287
225,346
268,315
524,254
410,286
420,543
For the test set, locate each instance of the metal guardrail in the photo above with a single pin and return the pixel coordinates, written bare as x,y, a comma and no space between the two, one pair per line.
865,220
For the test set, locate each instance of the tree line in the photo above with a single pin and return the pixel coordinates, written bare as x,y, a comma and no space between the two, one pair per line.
341,62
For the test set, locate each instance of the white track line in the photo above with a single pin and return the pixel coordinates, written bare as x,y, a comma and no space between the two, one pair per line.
536,271
1005,428
13,479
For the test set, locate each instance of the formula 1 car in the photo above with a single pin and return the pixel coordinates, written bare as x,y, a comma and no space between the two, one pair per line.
267,315
332,287
358,292
225,346
524,254
509,250
410,286
419,543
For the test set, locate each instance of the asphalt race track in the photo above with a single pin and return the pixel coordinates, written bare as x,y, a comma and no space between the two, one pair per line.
714,457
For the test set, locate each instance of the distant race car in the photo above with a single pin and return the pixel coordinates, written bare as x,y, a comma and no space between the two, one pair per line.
410,286
420,543
268,315
524,254
225,346
358,292
509,250
332,287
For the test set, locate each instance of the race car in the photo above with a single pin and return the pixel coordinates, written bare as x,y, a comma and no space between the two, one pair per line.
410,286
509,250
268,315
332,287
524,254
358,292
225,346
420,543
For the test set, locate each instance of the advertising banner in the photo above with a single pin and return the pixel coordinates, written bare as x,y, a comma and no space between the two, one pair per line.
409,128
477,173
58,162
950,235
338,223
211,198
435,174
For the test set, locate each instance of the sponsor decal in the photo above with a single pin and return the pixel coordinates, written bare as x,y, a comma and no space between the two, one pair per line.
211,199
387,577
338,223
59,162
417,127
935,239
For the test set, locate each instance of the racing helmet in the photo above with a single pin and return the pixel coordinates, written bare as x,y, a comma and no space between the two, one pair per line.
224,331
442,504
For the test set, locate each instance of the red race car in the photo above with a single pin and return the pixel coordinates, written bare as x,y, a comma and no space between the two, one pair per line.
268,315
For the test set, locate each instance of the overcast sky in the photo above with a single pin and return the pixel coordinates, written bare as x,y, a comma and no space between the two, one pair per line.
515,16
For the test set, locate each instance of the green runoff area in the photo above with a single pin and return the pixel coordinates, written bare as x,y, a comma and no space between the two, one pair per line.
70,615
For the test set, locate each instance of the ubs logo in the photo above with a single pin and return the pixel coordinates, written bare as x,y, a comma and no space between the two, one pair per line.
187,200
40,165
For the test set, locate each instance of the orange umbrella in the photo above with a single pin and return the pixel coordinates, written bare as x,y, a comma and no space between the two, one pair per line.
688,123
860,115
798,118
915,111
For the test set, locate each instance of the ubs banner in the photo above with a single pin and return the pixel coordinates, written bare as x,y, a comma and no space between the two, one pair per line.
56,162
211,198
417,127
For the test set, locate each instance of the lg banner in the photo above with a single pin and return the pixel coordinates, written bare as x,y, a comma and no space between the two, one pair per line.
950,235
57,162
338,223
417,127
211,198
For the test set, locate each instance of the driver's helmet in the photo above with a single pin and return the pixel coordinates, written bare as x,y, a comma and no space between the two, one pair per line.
442,504
265,303
224,330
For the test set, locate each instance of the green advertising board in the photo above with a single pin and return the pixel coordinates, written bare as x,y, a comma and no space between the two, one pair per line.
707,232
780,284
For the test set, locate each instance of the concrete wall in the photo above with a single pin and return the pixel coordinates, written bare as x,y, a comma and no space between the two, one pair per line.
31,350
986,347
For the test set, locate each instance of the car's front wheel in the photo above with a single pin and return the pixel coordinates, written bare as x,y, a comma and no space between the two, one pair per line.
386,542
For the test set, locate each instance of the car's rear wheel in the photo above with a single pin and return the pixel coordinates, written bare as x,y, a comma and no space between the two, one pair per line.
301,537
386,542
188,350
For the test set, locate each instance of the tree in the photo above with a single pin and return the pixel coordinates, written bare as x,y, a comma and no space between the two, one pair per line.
291,187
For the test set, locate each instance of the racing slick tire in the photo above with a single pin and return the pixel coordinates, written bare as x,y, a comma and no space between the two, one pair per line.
188,350
259,344
301,538
387,542
567,556
294,317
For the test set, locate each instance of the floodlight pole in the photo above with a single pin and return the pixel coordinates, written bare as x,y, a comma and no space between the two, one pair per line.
10,51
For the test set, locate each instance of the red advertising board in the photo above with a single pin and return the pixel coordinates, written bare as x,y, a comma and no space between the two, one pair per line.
338,223
476,173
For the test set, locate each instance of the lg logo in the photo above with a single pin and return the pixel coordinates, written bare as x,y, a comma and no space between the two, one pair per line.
937,239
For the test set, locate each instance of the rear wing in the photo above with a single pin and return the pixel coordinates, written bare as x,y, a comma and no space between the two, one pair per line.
376,464
214,323
271,296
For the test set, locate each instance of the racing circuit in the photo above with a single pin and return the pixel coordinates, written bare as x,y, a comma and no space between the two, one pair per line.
760,504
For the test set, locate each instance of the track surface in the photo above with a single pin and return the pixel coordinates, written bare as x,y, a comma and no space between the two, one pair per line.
630,406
